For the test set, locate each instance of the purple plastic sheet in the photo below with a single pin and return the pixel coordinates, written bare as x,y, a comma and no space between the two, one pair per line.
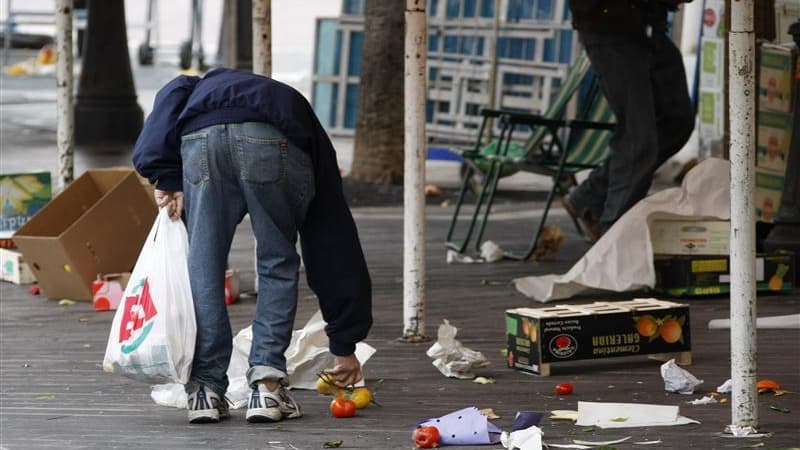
465,427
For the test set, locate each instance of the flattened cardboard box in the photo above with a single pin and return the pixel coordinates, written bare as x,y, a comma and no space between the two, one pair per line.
695,275
538,337
96,225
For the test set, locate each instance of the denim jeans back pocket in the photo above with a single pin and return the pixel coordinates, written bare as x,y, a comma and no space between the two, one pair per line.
263,160
194,153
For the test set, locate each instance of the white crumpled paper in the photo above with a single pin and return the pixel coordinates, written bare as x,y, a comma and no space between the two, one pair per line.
451,357
526,439
306,356
490,252
678,380
725,387
622,260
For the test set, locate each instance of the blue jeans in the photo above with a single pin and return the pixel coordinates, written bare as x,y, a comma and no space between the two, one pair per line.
228,171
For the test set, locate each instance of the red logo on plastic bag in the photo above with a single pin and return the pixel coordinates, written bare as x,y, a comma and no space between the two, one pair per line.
138,312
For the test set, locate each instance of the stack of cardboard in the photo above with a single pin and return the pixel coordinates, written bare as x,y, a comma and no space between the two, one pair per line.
774,132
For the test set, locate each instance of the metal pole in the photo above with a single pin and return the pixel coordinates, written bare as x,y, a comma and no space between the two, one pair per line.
744,407
416,58
65,125
262,37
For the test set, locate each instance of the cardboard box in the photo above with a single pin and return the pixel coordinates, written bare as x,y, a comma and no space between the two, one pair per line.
774,137
690,237
22,195
231,286
767,196
96,225
14,269
543,336
107,290
775,78
695,275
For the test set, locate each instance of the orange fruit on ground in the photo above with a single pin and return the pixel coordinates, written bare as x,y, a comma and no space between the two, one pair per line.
671,331
767,385
646,326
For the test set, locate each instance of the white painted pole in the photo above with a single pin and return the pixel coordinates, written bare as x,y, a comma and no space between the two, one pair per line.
65,122
262,60
416,57
262,37
231,33
744,405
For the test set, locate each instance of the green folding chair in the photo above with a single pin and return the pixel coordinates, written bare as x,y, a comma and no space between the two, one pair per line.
556,147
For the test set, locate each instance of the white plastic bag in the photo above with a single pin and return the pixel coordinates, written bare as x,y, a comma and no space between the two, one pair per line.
152,337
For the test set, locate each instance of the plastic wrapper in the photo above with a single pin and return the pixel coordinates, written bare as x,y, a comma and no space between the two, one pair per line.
451,357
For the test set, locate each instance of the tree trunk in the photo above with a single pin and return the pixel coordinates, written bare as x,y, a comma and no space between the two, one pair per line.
378,148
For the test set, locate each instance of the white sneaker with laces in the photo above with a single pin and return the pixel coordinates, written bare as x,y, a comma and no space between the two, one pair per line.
271,406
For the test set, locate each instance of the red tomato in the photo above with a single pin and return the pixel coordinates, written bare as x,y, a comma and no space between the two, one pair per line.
426,437
564,388
342,407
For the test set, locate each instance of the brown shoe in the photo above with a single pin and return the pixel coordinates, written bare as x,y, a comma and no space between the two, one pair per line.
591,228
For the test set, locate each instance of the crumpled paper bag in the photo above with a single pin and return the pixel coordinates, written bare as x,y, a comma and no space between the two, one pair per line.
451,357
678,380
526,439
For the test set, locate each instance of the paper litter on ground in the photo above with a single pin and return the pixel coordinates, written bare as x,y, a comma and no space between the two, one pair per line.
708,399
678,380
622,259
563,414
629,415
526,439
725,387
451,357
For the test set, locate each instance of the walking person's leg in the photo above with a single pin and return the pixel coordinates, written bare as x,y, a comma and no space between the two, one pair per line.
674,113
623,65
278,184
214,206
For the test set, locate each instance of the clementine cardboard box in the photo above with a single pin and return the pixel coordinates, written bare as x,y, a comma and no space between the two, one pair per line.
96,225
539,337
695,275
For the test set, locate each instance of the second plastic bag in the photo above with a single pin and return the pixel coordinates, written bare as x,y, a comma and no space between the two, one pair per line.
152,336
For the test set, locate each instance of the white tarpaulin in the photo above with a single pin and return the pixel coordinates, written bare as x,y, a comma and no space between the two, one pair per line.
622,260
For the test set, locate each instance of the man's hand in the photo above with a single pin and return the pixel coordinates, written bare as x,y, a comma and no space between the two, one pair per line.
346,371
172,200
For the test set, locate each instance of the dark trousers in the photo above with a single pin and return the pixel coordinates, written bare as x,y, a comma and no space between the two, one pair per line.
645,84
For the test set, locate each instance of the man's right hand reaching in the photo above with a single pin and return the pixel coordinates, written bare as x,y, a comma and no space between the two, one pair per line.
346,371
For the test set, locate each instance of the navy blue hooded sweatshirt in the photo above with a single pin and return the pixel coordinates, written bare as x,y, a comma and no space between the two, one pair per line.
334,261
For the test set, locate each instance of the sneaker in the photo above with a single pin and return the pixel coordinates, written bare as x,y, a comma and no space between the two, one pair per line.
592,228
271,406
205,406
